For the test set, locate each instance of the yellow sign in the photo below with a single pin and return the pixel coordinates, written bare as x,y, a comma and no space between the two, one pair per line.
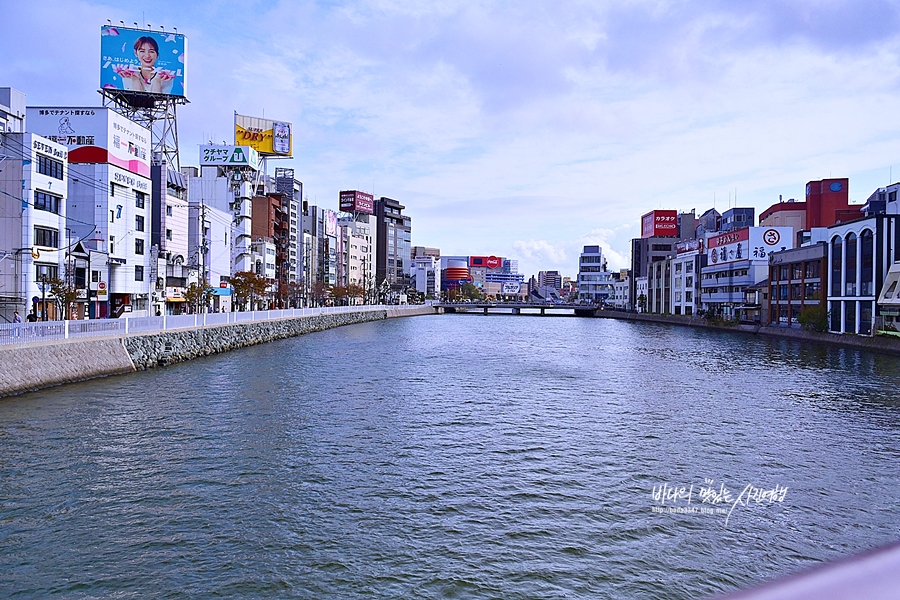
263,135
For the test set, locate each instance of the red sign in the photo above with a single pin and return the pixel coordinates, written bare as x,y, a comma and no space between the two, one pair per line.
223,285
101,285
353,200
489,262
660,223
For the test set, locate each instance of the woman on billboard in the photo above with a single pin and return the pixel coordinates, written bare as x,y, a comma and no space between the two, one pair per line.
146,77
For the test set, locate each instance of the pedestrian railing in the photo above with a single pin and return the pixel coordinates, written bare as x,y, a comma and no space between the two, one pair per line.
20,333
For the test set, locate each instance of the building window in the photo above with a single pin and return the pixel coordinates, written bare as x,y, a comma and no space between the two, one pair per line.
797,271
140,199
50,167
46,237
866,252
138,246
43,272
796,291
784,273
837,262
812,290
139,223
45,201
850,268
112,189
138,273
112,244
169,234
812,270
168,211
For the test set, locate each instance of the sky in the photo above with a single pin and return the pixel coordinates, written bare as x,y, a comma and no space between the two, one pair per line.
521,129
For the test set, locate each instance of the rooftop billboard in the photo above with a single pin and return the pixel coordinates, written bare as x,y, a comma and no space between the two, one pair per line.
489,262
352,200
266,136
660,223
138,60
94,135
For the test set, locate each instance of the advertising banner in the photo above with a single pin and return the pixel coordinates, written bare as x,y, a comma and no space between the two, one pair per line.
511,288
229,156
266,136
489,262
139,60
330,223
94,135
352,200
660,223
750,243
688,246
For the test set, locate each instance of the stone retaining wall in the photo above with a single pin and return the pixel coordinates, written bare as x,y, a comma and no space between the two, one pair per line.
160,349
39,365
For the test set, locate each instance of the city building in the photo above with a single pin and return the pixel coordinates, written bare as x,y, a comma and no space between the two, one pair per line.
425,275
227,181
393,245
797,282
644,253
109,206
595,281
687,264
34,247
209,232
357,252
861,254
737,218
171,267
551,279
736,260
621,289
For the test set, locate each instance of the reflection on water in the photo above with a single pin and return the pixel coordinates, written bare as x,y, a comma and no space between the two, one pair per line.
453,456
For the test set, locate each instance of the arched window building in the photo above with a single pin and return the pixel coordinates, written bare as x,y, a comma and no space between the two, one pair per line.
860,253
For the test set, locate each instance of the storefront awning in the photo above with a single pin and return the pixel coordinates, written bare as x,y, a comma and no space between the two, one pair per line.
176,299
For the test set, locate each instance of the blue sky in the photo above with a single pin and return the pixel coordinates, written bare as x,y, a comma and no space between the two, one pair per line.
521,129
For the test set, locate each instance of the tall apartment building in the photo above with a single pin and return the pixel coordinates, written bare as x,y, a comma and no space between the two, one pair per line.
550,279
357,253
393,245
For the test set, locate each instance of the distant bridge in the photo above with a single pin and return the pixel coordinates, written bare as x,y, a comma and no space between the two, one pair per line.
520,308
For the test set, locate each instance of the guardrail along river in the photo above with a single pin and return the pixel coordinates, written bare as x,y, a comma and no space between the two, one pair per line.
454,457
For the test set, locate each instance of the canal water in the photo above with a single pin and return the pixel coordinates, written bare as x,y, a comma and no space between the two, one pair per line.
455,456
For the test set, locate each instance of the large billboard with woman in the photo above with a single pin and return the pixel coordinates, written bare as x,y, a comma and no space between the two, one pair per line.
139,60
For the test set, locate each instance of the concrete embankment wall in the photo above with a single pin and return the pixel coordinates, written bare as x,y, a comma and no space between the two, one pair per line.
884,344
35,366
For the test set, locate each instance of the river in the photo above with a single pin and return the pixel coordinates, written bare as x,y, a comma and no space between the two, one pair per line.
455,456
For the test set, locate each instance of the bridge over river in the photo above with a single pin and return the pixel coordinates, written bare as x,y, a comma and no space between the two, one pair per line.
520,308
